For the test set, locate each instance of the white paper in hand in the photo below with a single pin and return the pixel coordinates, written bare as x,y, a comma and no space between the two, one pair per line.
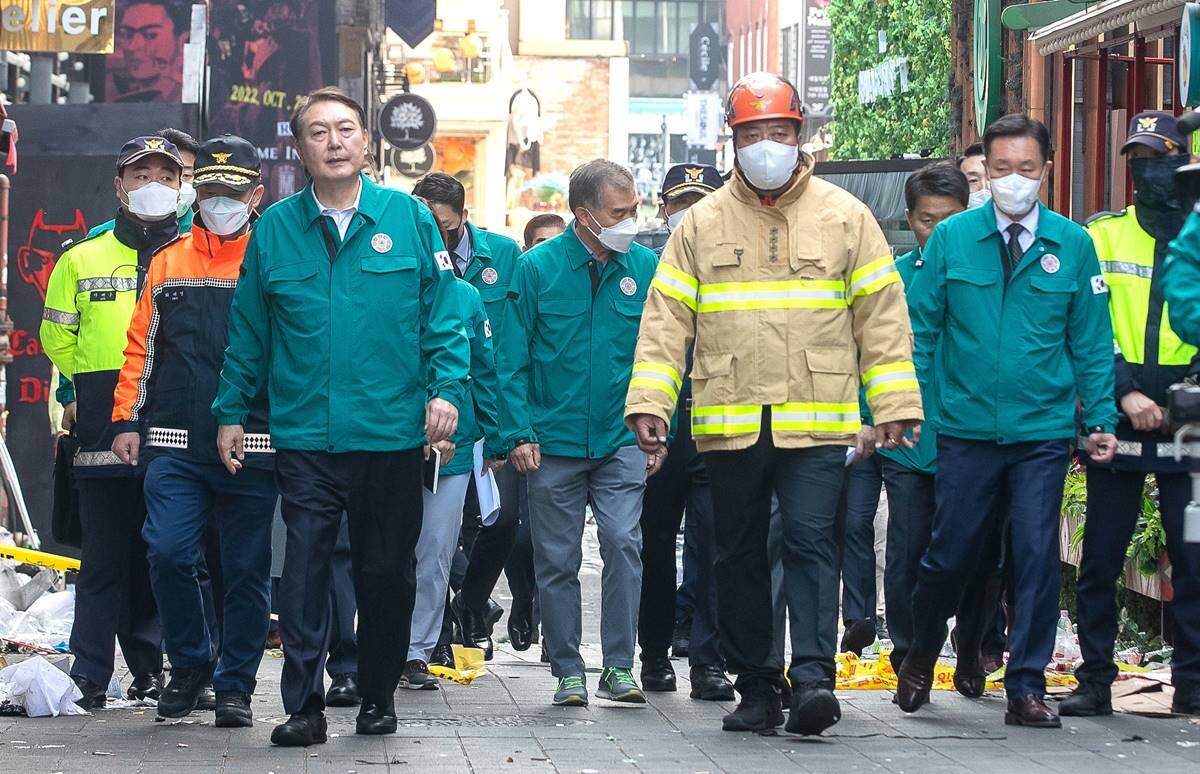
485,486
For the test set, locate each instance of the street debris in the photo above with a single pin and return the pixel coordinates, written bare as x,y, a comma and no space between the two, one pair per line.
39,688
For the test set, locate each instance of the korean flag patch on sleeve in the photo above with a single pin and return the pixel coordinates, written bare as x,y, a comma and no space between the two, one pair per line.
1099,285
443,260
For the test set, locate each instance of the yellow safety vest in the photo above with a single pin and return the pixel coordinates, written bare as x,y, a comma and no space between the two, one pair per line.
89,302
1126,253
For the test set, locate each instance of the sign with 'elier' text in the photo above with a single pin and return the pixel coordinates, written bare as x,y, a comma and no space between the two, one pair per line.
74,26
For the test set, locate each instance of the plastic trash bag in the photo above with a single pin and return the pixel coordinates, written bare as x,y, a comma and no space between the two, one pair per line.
468,664
41,688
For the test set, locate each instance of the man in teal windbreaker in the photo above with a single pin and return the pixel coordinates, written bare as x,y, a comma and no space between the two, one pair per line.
488,262
1011,304
1181,281
343,273
567,356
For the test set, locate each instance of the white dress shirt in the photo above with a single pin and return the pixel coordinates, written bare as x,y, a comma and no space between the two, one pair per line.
341,218
1029,223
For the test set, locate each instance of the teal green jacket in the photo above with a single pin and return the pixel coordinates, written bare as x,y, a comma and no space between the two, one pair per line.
569,352
353,336
491,270
185,225
1007,363
1181,281
922,457
478,416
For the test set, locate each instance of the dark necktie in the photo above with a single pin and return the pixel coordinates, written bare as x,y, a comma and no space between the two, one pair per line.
1015,251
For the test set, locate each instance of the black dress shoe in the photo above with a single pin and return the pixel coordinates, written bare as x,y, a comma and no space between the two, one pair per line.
493,615
1030,710
206,701
969,678
374,719
343,691
93,695
658,675
1186,700
233,710
301,730
914,680
475,627
520,625
182,692
1088,700
858,635
681,636
145,687
758,711
709,683
443,655
814,708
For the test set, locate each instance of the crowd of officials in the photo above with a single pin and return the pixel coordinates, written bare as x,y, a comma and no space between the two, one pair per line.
391,384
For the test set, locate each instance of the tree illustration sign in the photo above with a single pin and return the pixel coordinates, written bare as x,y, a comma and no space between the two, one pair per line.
407,121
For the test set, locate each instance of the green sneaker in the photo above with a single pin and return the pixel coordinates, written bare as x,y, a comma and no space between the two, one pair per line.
572,692
617,684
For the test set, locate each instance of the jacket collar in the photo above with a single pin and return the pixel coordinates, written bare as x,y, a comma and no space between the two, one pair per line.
211,245
142,236
578,253
370,203
1050,229
479,250
746,194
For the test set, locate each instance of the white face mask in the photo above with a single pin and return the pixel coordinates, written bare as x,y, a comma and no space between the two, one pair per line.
767,164
187,197
674,219
223,215
979,198
153,201
617,237
1015,194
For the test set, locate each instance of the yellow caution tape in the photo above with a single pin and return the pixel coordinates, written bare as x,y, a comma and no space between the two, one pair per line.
854,673
468,664
39,558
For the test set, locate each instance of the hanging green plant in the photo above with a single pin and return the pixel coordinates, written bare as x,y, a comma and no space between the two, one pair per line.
915,115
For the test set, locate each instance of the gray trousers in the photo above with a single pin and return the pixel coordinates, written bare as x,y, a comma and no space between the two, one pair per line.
559,493
435,550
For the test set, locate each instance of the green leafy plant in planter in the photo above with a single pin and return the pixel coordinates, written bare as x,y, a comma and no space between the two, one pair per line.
904,122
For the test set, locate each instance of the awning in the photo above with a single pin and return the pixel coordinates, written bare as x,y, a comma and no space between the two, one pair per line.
1104,17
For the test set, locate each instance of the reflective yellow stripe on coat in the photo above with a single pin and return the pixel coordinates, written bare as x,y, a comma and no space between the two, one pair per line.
890,377
658,376
839,418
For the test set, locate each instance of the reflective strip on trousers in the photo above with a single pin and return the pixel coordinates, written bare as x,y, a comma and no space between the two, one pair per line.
673,283
875,276
177,438
892,377
1135,448
789,294
96,458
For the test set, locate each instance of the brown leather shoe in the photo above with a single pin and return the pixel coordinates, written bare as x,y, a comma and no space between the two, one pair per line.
914,680
991,662
1030,710
969,677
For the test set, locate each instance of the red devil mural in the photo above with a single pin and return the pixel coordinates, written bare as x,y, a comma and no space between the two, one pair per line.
35,259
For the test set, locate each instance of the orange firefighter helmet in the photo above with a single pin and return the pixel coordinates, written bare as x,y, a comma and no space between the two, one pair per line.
761,96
